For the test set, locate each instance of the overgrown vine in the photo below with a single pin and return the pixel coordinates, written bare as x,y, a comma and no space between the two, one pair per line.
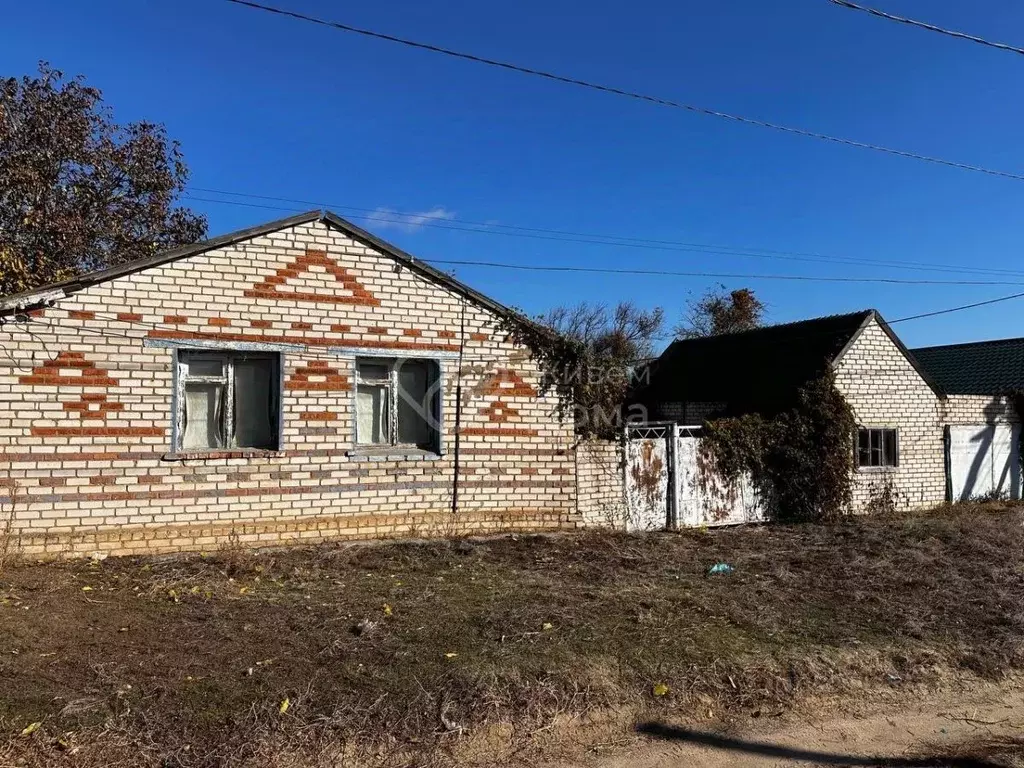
800,460
591,386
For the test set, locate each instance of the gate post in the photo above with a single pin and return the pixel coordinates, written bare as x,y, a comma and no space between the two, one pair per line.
673,477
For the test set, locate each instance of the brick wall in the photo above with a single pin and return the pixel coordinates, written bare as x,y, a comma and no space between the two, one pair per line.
85,431
689,414
979,409
885,390
600,478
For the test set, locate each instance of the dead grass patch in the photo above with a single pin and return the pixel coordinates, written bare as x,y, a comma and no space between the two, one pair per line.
393,652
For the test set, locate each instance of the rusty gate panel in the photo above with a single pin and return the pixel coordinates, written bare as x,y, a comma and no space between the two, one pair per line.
705,498
649,488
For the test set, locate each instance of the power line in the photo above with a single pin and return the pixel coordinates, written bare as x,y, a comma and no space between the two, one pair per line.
723,275
397,217
926,25
658,100
958,309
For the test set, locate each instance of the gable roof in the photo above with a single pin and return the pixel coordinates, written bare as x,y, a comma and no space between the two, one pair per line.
38,297
978,368
760,369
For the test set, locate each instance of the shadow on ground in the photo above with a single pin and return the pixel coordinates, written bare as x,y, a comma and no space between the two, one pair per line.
984,759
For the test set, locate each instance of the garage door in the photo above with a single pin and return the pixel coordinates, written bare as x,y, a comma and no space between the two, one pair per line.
984,461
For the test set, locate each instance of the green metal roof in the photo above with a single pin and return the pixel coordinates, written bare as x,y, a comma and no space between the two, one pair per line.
978,368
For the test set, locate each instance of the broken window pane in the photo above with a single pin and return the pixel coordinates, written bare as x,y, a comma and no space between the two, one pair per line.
203,426
374,372
255,417
372,413
415,418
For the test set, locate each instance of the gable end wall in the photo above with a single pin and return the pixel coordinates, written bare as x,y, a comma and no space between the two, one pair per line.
885,390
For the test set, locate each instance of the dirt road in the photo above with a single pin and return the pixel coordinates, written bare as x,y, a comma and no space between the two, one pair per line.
961,727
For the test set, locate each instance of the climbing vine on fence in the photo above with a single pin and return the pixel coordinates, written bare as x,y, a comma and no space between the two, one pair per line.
800,460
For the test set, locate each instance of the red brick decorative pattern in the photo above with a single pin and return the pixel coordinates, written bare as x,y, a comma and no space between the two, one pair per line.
499,412
270,288
92,406
49,373
505,381
497,432
318,416
97,431
287,339
318,376
81,314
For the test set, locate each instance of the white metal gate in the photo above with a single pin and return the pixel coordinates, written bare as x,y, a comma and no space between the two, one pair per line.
984,461
706,499
670,484
649,460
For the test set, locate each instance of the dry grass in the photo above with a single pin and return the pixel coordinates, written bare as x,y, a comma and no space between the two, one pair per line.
8,536
392,651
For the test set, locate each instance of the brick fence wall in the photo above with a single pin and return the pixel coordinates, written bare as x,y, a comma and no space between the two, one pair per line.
600,478
86,429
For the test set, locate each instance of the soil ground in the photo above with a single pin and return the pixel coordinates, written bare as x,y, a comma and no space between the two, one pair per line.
977,727
480,650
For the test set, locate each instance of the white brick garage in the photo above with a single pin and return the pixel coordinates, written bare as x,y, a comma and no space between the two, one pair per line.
981,419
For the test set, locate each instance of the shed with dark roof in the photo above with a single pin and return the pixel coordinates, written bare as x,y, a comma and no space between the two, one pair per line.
761,369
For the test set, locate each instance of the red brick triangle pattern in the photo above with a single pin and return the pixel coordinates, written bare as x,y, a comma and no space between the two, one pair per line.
270,288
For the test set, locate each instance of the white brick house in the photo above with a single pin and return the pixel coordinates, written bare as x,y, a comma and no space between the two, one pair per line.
898,407
298,380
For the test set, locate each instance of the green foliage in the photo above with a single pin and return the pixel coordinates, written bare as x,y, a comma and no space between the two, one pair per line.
78,191
800,461
719,312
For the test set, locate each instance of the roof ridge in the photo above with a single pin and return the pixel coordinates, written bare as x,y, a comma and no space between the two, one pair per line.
19,302
982,343
761,328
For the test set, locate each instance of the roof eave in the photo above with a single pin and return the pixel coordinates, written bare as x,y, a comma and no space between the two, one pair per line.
38,297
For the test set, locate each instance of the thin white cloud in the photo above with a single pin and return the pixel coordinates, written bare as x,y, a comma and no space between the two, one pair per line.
389,218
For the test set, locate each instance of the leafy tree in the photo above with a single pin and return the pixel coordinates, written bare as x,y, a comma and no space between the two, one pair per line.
79,192
718,312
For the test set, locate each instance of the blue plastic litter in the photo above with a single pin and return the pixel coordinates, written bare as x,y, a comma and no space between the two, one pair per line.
721,568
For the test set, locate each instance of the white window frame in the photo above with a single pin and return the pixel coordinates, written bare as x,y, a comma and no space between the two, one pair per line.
877,428
436,446
226,357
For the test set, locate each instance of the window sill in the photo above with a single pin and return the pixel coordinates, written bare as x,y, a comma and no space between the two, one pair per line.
877,470
243,453
391,453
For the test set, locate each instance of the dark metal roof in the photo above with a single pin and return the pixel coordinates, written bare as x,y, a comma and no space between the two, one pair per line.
761,369
38,296
978,368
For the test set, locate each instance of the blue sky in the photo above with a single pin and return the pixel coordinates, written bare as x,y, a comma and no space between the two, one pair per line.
271,106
